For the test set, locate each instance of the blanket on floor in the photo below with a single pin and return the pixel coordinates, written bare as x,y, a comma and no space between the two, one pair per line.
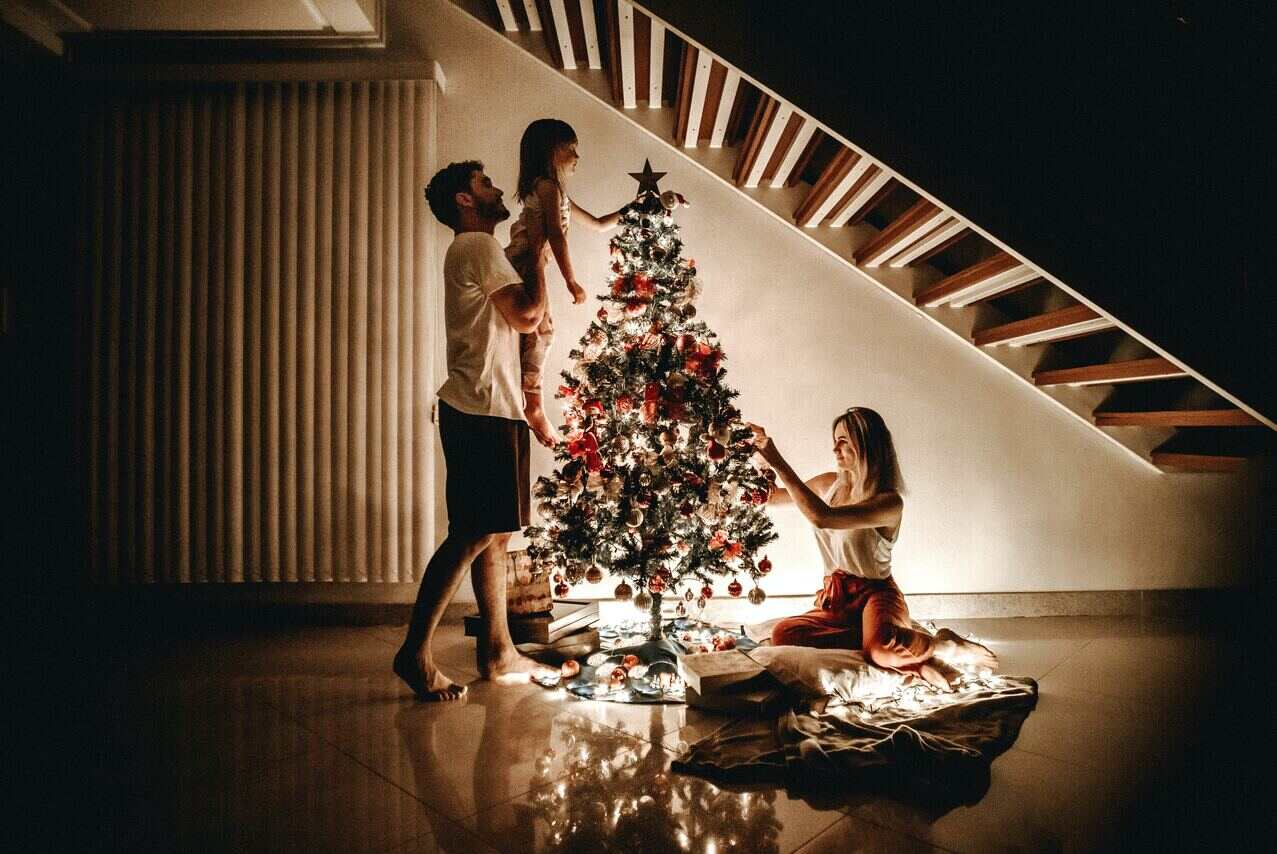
859,728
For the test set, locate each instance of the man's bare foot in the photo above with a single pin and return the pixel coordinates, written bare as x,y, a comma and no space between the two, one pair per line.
953,648
426,681
539,424
511,668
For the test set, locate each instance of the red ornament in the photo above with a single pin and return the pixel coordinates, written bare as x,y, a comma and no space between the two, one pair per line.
569,668
764,566
685,342
759,496
566,391
655,584
707,592
718,540
635,308
652,391
593,406
735,588
561,589
650,412
616,266
602,314
716,452
643,287
593,462
624,403
619,675
630,661
584,445
594,575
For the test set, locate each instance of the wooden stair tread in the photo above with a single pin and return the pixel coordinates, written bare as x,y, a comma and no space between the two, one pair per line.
1111,372
1232,417
1196,462
1068,322
986,269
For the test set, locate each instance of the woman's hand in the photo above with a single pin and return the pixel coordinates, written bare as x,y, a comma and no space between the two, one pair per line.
763,443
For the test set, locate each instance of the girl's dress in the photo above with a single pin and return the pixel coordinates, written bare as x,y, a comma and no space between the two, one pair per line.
533,346
860,606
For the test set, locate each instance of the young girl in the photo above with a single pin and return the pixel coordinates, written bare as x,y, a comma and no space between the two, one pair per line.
856,513
547,157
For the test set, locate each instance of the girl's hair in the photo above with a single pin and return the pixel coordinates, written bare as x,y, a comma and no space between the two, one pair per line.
536,152
874,446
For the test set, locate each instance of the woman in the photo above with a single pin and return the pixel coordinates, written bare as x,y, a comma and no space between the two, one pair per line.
856,512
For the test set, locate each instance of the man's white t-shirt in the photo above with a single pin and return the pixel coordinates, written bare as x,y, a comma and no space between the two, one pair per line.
483,349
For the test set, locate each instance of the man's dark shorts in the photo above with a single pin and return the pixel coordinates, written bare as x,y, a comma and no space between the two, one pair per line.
488,479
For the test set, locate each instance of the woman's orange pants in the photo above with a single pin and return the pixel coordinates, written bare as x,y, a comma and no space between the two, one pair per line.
859,613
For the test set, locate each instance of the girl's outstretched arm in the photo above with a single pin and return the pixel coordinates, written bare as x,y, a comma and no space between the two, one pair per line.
606,222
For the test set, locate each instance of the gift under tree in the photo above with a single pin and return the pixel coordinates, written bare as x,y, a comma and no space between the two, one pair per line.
656,482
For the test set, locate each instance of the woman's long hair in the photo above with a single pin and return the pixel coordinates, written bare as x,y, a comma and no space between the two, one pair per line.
875,449
536,152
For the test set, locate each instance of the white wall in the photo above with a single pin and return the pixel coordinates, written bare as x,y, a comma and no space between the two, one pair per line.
1006,492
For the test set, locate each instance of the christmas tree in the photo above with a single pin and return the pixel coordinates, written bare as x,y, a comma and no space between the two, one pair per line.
656,481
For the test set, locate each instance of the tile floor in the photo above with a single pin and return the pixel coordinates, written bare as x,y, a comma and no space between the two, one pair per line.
301,739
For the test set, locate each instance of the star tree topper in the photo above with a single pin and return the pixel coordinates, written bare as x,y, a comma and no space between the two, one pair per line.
647,179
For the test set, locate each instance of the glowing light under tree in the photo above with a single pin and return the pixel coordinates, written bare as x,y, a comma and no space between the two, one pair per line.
656,481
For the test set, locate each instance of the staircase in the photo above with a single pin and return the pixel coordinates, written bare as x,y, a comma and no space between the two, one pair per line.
890,232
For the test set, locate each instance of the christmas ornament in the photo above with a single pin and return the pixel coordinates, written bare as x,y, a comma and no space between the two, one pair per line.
617,677
594,575
623,592
688,595
707,592
629,661
757,596
634,518
734,588
642,600
569,669
656,584
765,565
700,602
561,590
680,610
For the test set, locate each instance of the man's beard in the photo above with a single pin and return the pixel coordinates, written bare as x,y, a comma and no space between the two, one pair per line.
494,211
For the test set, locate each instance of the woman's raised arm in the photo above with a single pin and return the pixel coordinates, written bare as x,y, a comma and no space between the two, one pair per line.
879,511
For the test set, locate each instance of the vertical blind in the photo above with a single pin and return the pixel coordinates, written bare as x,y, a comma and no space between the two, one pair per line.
258,337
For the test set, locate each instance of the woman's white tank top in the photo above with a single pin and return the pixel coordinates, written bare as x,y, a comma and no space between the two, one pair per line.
859,551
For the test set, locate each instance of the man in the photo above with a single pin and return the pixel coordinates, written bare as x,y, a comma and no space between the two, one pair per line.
482,427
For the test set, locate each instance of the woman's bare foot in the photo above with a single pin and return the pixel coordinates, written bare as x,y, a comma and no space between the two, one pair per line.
511,668
538,423
953,648
425,680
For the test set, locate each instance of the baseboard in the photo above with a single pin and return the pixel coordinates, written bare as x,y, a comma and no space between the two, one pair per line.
352,603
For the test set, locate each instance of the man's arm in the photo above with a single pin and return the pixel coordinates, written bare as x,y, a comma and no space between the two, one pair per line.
522,304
